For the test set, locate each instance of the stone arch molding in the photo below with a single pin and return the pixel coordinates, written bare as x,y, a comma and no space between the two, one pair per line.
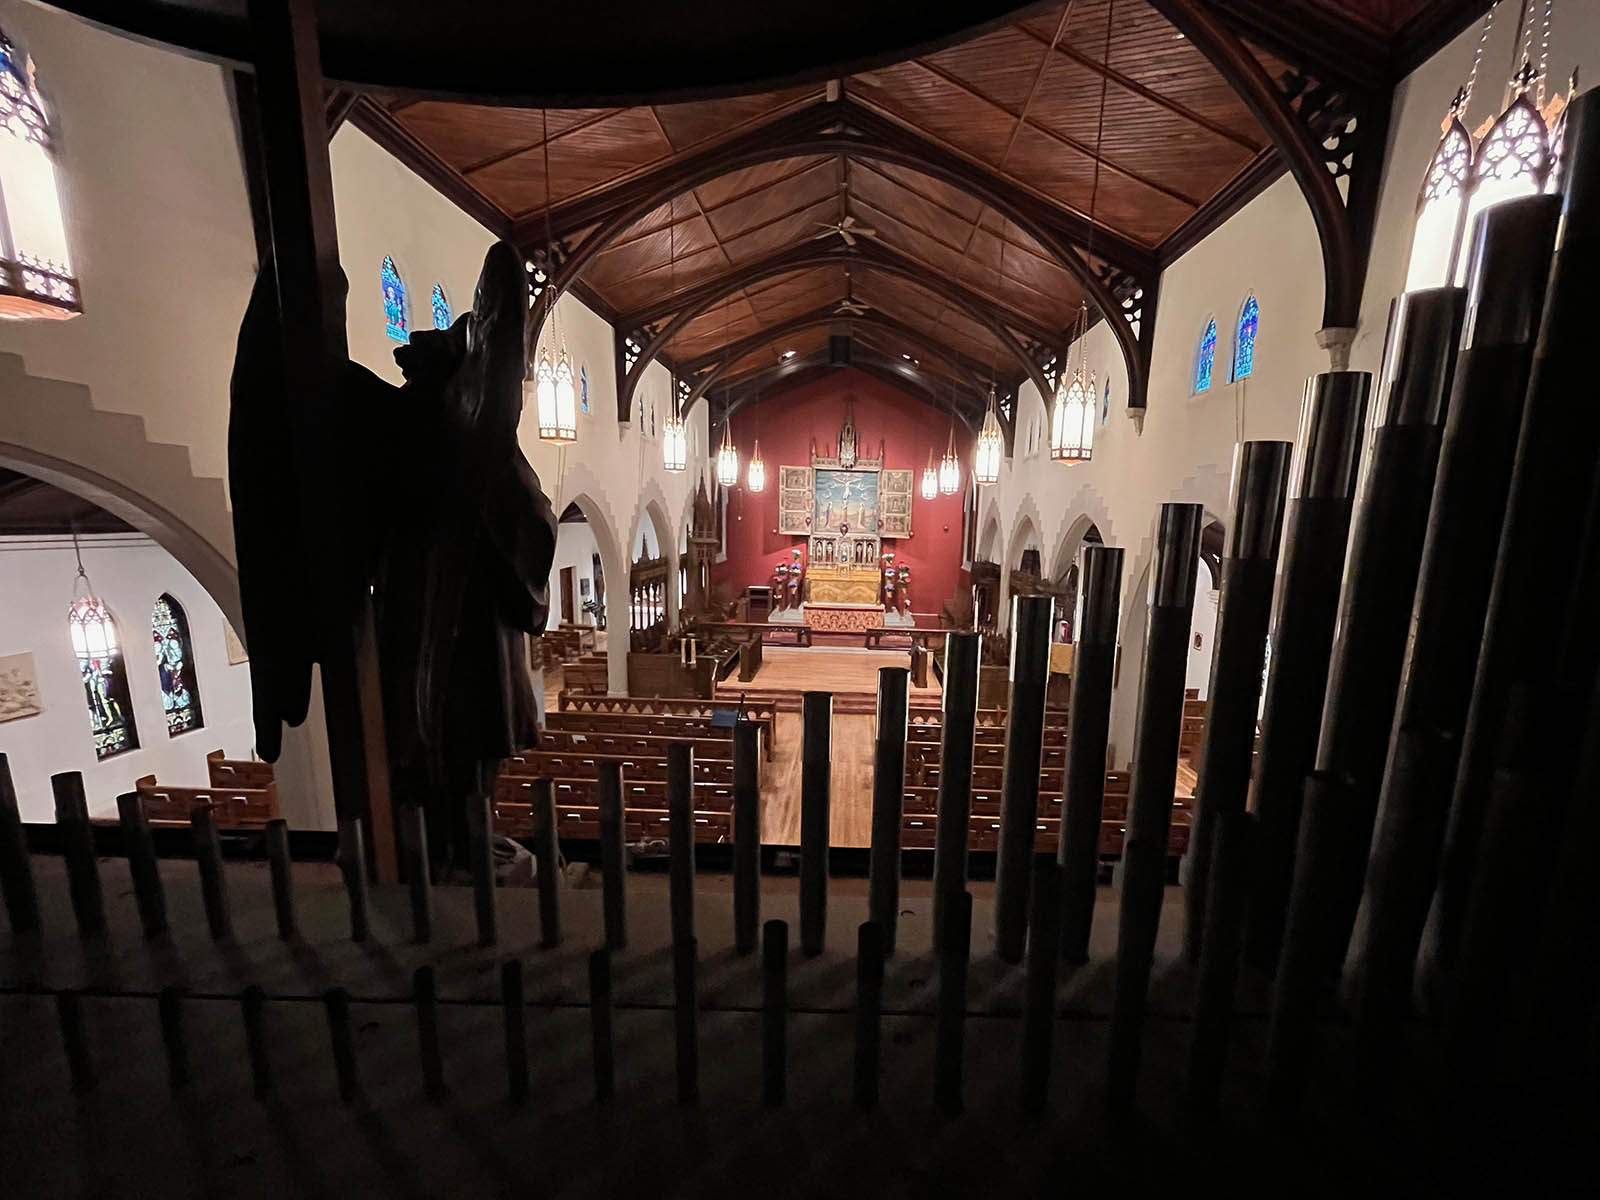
1025,517
1090,509
50,429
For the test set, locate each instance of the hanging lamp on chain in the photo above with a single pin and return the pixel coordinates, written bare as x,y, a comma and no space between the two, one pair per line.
36,279
1072,421
674,439
727,455
756,477
930,478
555,396
950,466
1517,154
991,445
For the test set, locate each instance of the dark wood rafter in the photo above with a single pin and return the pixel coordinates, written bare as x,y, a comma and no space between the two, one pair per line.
705,371
735,392
878,258
1322,132
845,127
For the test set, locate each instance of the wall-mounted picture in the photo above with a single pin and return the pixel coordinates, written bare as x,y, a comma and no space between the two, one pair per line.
236,652
19,688
583,588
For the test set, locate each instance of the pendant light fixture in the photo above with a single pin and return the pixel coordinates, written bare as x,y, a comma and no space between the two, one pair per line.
1072,421
674,436
950,466
727,456
36,278
756,477
930,478
555,396
1512,156
991,446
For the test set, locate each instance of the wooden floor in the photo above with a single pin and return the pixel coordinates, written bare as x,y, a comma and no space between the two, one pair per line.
815,668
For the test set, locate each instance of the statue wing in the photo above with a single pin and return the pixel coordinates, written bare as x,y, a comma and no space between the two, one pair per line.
269,540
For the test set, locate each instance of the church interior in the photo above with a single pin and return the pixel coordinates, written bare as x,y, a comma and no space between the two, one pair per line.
885,601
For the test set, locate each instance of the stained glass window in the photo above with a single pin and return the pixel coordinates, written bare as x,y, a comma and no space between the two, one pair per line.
441,308
180,694
1206,358
1105,401
583,388
105,682
397,322
1244,339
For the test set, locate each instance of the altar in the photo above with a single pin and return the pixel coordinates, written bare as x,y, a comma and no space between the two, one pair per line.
824,617
843,584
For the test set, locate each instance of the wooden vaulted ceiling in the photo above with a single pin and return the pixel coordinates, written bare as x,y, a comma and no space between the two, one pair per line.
749,258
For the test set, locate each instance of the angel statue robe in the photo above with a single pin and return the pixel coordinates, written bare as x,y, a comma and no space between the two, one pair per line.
419,497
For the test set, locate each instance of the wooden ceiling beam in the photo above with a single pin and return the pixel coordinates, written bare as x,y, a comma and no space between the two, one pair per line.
765,383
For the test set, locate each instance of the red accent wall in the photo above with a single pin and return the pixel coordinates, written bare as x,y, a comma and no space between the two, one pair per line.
787,422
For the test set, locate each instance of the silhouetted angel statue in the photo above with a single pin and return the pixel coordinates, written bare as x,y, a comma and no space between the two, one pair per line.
420,496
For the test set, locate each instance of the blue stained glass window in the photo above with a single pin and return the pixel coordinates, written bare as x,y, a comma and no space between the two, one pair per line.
1244,339
1105,402
583,388
180,694
398,324
441,308
1206,359
105,682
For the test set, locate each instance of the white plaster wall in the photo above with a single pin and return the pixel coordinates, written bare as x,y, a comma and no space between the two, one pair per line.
575,548
129,572
1185,451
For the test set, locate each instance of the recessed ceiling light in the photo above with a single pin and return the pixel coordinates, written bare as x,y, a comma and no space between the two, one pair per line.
788,354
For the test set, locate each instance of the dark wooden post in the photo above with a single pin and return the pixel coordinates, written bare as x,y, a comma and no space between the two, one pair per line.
16,873
1155,770
1238,658
425,994
686,1020
774,1012
1094,660
547,858
1039,1000
680,838
75,1041
605,1071
213,880
612,870
816,766
1447,618
169,1007
1380,577
337,1003
960,712
305,248
252,1004
514,1005
417,870
77,848
869,1012
1031,620
353,866
1322,484
282,876
1219,956
141,851
950,1028
888,801
480,843
746,836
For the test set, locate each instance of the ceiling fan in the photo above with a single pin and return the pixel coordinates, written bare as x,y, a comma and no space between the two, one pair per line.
850,306
847,228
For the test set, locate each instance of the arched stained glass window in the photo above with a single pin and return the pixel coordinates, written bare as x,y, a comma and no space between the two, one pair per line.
1244,339
441,308
105,681
397,323
180,694
1205,358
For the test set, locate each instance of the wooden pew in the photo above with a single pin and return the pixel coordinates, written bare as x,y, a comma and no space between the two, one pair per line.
227,772
579,764
232,808
645,724
582,821
639,793
919,831
587,676
630,744
763,714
